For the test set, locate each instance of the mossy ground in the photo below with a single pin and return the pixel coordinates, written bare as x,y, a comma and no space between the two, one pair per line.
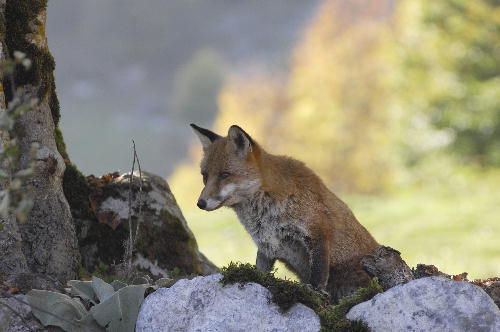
103,271
285,293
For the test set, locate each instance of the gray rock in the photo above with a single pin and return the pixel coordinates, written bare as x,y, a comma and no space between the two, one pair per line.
203,304
16,316
165,241
430,304
28,281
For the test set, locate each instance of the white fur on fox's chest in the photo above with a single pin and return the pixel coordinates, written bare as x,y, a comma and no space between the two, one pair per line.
266,235
270,232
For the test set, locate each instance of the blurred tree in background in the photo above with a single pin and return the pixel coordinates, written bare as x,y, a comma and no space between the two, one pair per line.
257,101
449,76
339,121
196,87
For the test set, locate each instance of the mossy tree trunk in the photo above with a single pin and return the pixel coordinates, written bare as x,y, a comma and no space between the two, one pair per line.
12,259
48,241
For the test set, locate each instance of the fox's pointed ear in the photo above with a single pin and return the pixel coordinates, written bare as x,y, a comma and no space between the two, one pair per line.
206,136
242,142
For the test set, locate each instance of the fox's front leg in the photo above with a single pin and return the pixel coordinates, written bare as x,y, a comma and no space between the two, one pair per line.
264,263
320,263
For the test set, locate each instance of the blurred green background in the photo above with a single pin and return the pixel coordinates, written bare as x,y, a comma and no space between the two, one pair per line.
395,104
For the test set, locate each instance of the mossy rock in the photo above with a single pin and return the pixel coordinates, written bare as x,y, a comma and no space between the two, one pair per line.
100,207
285,293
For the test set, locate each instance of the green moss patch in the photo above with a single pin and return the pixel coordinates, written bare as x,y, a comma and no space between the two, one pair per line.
61,146
285,293
333,316
77,191
170,243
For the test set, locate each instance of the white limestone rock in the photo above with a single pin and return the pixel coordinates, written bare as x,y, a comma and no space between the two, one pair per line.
203,304
430,304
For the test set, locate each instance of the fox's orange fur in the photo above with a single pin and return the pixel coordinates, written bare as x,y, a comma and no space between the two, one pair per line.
287,209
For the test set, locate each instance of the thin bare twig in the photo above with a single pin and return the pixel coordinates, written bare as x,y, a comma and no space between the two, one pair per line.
132,239
130,243
139,216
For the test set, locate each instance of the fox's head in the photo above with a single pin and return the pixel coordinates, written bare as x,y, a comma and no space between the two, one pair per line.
229,167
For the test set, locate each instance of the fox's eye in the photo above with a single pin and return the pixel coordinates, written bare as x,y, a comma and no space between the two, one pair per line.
223,175
205,177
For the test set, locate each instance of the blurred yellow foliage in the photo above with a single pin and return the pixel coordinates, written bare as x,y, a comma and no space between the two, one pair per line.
339,121
254,102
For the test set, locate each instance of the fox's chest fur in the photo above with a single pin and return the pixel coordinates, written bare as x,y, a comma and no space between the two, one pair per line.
276,232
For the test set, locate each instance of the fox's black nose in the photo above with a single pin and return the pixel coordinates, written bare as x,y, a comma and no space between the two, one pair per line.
202,203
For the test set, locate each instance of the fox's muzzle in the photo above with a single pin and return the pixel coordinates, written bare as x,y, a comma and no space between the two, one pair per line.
202,204
210,198
209,204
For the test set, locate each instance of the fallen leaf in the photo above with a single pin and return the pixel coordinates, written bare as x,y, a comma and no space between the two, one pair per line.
14,290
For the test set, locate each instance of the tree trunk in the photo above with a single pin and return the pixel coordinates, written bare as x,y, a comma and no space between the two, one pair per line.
48,240
12,259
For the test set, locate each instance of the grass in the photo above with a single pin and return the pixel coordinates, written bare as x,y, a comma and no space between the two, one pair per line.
453,224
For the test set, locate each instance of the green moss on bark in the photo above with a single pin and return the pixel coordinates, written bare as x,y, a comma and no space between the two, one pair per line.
77,191
2,28
54,103
61,146
19,15
286,293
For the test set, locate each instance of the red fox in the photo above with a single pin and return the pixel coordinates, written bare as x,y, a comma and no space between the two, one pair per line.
288,211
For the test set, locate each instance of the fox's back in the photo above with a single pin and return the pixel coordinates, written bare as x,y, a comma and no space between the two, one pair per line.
294,203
